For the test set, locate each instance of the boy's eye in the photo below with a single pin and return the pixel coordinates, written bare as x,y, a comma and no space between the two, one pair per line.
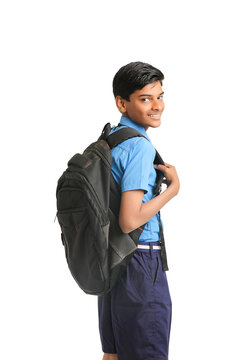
147,99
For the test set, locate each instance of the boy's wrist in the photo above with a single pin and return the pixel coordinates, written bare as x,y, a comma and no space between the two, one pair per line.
172,189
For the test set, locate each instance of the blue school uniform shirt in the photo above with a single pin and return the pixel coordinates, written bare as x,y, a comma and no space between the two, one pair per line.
132,168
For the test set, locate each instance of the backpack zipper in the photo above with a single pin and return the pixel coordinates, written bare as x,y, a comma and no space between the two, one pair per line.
66,211
90,187
96,198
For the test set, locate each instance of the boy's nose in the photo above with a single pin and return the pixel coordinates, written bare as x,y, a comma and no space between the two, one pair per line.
157,105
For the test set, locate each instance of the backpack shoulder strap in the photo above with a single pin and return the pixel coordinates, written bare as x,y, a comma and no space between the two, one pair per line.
127,133
158,159
121,135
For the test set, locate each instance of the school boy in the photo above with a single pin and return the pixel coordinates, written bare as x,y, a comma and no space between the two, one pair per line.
135,316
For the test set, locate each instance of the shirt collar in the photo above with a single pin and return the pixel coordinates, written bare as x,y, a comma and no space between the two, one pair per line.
128,122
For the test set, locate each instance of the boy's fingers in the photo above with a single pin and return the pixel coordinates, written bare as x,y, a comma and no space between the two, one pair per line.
165,164
158,166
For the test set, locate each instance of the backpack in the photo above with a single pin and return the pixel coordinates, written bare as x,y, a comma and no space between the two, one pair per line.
88,204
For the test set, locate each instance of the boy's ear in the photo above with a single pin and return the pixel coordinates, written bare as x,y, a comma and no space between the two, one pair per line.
121,104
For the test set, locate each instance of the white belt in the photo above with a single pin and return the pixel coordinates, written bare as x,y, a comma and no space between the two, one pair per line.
155,247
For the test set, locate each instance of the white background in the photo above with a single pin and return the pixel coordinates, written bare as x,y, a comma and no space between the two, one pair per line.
58,59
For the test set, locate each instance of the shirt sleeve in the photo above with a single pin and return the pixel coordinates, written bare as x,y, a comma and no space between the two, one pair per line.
138,166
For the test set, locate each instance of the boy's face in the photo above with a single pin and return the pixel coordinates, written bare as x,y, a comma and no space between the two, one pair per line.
145,106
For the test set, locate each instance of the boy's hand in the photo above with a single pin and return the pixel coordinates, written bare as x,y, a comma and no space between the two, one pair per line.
171,176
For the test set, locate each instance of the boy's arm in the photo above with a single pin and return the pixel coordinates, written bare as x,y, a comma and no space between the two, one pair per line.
133,213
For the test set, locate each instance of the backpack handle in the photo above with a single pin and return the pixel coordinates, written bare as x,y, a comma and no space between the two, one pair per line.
105,131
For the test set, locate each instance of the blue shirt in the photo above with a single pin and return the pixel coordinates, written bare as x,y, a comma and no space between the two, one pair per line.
132,168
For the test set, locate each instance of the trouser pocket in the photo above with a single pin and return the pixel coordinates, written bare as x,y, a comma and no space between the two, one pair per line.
150,265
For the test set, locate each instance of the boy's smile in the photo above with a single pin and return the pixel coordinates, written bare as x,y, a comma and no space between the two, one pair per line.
145,106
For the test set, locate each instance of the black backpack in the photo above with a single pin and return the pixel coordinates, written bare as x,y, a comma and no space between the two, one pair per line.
88,204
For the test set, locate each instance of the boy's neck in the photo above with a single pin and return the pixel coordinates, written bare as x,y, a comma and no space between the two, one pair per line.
145,127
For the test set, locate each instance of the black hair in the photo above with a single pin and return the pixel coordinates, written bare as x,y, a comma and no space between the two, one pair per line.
134,76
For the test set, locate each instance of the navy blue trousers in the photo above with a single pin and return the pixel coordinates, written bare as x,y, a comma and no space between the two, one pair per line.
135,316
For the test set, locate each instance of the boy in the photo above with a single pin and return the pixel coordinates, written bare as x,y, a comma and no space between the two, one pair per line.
135,316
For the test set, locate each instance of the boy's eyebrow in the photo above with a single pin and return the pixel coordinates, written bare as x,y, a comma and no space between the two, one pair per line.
150,95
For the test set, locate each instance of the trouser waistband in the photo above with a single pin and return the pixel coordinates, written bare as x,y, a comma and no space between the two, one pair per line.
153,247
150,246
